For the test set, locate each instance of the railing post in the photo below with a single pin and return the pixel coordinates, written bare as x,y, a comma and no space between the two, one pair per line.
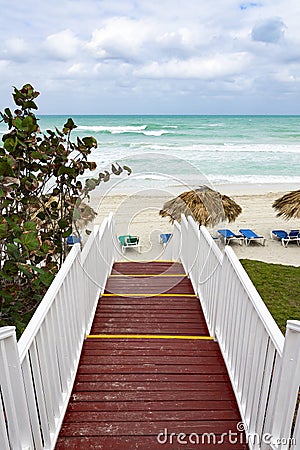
13,394
185,245
288,388
172,250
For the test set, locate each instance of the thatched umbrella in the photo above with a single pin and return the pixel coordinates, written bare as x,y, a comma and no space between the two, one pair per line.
288,206
207,206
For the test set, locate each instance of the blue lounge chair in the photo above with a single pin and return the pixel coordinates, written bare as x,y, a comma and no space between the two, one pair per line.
71,240
251,236
164,238
128,241
278,234
229,236
286,238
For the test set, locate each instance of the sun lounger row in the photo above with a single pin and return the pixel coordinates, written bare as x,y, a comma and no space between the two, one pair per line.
286,237
246,235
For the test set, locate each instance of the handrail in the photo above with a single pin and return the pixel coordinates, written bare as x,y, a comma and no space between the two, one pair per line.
256,354
173,248
33,326
264,314
39,370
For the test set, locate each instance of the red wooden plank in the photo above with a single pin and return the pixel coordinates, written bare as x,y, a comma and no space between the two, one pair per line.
126,396
147,386
168,344
138,443
175,405
150,368
170,378
149,285
147,280
165,302
147,268
148,307
154,416
147,352
157,329
158,360
141,428
143,316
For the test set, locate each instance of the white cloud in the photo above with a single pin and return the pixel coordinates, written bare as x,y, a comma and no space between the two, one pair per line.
15,49
3,65
210,68
63,45
120,37
182,39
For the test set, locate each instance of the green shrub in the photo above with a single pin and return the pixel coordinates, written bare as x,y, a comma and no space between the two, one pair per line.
41,198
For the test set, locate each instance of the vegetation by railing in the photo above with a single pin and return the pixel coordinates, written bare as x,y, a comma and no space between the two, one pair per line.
38,372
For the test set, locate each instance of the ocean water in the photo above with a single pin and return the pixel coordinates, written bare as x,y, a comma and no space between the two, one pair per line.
174,150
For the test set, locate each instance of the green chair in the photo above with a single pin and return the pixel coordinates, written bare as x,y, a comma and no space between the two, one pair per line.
128,241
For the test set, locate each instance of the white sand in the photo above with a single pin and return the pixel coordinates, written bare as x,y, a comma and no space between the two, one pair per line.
138,214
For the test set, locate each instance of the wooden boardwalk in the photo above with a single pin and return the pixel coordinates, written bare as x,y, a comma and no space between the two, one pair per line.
143,375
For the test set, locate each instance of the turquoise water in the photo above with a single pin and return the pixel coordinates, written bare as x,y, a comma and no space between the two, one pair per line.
220,149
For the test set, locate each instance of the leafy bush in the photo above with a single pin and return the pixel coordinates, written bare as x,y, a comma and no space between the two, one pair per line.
41,196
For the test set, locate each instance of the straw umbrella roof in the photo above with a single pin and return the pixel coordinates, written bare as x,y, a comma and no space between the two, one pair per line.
288,206
207,206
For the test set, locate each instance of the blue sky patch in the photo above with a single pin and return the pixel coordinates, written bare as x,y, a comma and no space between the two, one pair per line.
248,5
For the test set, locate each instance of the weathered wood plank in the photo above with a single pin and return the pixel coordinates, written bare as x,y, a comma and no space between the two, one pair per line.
154,416
147,386
139,343
145,360
140,443
147,352
175,405
144,377
141,428
126,396
150,368
147,268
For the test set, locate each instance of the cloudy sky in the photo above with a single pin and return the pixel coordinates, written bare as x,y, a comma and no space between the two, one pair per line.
153,56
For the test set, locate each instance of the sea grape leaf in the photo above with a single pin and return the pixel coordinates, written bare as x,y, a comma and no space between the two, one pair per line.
30,240
13,250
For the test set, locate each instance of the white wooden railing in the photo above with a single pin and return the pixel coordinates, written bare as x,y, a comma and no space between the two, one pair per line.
37,373
264,367
173,249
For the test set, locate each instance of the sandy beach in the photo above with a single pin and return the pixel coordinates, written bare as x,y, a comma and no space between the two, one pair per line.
138,214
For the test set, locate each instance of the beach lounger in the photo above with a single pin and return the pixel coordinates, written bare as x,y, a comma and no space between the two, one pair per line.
71,240
278,234
229,236
128,241
164,238
251,236
286,238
